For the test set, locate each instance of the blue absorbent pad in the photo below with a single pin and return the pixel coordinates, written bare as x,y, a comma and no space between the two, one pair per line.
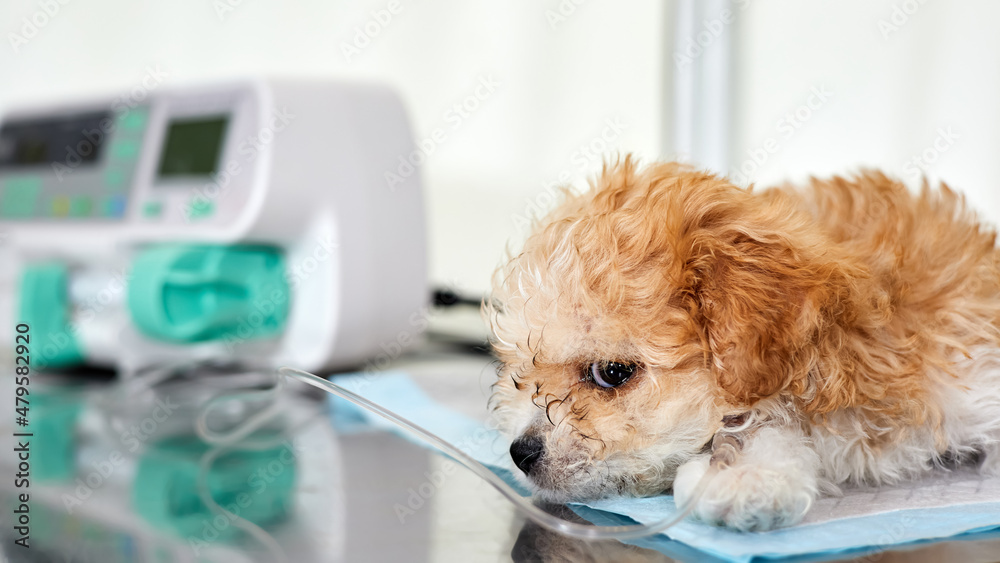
944,505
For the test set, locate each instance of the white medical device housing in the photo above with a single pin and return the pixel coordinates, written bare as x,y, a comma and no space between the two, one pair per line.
298,176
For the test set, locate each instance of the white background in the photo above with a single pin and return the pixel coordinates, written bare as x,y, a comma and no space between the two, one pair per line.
892,92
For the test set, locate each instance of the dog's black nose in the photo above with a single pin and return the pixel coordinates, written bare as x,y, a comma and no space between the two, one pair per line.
526,451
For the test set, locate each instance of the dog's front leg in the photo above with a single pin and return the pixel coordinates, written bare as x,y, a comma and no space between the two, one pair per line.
772,483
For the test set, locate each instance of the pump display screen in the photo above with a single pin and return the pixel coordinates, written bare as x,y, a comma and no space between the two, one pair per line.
70,140
192,147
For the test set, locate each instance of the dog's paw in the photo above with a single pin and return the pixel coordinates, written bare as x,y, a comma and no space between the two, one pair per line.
747,497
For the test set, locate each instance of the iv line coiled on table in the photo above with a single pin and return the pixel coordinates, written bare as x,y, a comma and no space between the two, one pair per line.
721,458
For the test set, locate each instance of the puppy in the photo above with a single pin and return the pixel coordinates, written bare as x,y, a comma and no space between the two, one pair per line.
851,326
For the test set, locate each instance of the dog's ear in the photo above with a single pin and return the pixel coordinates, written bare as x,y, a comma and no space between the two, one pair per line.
764,292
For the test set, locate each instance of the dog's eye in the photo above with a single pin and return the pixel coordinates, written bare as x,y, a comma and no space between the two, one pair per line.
610,374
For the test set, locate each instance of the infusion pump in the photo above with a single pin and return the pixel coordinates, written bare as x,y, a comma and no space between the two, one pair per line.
259,220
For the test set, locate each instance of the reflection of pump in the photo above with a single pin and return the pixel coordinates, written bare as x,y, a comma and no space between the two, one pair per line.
183,465
252,221
256,485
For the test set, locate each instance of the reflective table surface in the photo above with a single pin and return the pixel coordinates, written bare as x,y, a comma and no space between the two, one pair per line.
130,490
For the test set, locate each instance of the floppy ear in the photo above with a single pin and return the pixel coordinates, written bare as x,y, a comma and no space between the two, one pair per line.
764,299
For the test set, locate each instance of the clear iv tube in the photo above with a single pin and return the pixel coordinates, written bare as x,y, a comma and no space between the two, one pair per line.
533,512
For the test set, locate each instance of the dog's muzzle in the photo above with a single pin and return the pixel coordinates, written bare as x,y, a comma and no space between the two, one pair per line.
526,451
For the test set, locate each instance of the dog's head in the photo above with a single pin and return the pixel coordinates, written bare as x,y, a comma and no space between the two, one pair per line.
641,313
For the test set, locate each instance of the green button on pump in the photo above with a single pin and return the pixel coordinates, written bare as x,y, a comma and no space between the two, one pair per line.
134,120
44,305
114,179
200,208
152,209
124,149
80,206
181,293
20,196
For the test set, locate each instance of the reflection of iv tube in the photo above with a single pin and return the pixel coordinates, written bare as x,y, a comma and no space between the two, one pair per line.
245,436
237,439
725,452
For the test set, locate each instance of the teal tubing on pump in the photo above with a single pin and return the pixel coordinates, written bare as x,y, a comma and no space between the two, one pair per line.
196,293
45,308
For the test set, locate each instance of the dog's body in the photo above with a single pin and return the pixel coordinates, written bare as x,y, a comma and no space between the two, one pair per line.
856,325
